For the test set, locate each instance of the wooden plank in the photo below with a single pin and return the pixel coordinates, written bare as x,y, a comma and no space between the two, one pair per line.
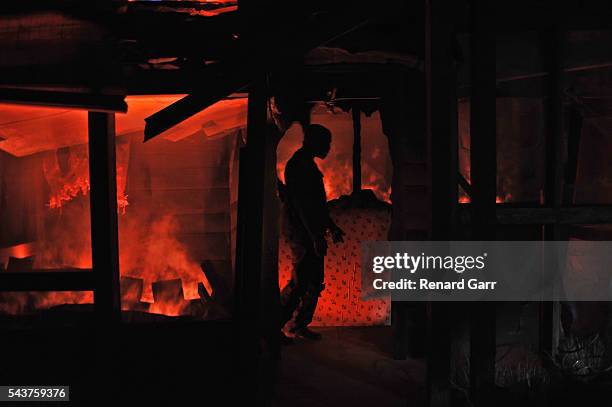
260,24
564,216
555,145
218,88
103,207
48,280
574,133
441,83
552,43
249,242
83,101
439,354
465,185
483,174
440,97
356,112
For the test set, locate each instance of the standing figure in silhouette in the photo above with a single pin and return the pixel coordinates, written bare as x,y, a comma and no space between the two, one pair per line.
306,222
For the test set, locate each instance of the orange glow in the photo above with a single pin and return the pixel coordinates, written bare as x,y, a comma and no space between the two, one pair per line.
337,167
25,302
153,253
65,187
341,302
28,130
498,199
164,210
19,251
152,246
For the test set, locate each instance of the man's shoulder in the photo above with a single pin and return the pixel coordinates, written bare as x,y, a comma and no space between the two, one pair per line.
301,168
299,161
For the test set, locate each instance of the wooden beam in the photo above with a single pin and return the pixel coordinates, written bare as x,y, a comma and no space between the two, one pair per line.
192,104
441,84
551,44
521,15
483,174
83,101
465,185
440,95
356,112
574,135
554,136
439,354
547,216
103,207
49,280
250,244
250,208
236,72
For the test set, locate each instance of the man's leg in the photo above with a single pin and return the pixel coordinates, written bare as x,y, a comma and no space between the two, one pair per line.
292,293
290,300
310,298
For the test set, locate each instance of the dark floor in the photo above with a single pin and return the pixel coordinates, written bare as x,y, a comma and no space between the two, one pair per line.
157,362
351,366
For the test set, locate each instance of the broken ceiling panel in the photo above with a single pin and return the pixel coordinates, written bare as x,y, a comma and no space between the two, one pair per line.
26,130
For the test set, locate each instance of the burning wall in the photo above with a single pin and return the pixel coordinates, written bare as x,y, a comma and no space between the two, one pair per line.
177,209
174,203
179,213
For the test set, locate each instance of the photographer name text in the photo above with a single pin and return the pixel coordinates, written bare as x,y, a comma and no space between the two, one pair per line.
412,264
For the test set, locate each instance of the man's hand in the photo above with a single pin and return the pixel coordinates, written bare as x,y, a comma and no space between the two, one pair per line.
320,246
337,234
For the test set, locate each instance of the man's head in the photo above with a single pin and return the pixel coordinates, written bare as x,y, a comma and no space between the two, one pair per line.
317,140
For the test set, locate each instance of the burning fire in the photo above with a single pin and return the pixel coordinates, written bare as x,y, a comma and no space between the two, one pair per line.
156,244
67,184
498,199
149,247
153,254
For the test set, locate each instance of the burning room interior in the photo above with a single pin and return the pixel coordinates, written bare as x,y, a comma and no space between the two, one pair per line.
143,153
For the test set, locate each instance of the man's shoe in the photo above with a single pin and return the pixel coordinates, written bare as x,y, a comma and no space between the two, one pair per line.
307,333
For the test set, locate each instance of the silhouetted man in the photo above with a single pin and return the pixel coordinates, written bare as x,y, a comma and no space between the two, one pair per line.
306,223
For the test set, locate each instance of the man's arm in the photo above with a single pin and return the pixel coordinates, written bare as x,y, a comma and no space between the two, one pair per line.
335,230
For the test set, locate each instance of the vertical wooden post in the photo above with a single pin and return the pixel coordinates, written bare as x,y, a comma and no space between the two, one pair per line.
103,206
249,242
555,143
574,134
248,362
250,208
356,151
483,157
440,84
556,148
